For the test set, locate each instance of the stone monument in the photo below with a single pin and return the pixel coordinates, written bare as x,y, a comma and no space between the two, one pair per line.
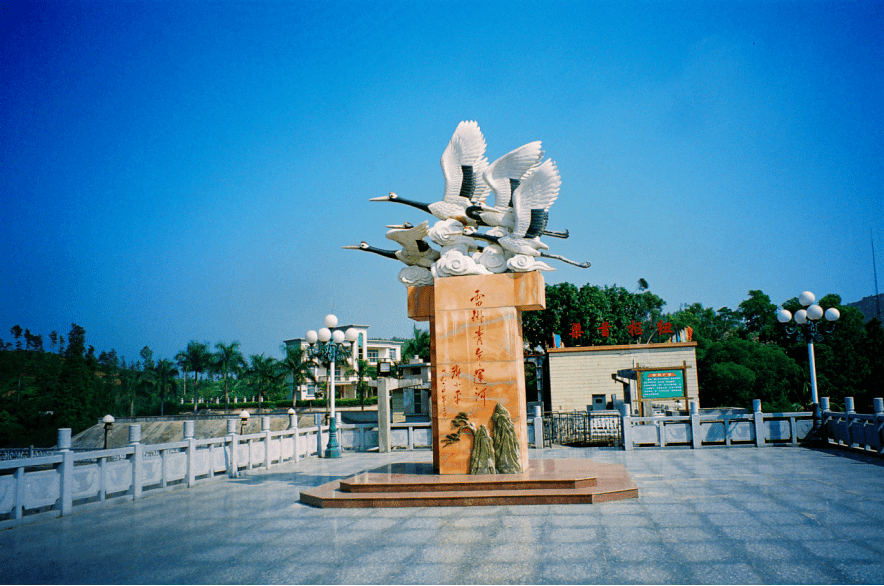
472,290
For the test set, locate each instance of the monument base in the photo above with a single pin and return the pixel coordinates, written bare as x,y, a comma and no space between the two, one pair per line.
547,482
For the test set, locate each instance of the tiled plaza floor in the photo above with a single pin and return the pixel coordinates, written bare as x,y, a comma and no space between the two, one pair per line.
709,516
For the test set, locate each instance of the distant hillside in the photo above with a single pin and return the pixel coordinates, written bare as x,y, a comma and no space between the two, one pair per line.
868,307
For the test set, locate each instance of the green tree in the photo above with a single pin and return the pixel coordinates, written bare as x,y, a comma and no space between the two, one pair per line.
199,360
164,381
229,360
582,317
299,367
418,345
75,403
183,362
362,371
265,376
759,317
734,372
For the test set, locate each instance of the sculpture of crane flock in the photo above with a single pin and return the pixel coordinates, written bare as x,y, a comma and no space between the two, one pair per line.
524,186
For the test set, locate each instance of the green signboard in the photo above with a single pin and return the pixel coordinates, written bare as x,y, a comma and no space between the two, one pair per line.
662,384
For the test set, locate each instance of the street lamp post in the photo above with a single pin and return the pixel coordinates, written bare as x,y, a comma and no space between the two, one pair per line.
807,326
243,418
108,424
332,345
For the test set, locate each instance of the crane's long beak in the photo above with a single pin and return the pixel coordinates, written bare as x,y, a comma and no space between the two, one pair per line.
351,247
384,198
404,226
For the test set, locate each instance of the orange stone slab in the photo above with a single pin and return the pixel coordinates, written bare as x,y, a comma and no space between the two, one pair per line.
477,355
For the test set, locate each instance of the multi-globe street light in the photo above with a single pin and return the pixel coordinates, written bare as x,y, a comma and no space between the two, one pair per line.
332,346
805,324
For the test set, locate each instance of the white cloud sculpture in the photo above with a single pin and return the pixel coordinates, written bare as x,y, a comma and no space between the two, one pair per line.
415,276
456,264
522,263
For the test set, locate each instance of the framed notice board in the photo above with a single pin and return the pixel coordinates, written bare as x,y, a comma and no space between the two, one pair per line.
655,384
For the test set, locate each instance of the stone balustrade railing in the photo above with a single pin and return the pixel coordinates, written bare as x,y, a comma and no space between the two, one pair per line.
852,429
755,429
65,481
696,431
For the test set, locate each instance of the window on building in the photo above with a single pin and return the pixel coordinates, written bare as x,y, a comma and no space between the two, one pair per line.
373,355
392,353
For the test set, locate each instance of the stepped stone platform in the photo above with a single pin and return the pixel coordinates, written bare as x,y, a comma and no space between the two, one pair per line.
411,484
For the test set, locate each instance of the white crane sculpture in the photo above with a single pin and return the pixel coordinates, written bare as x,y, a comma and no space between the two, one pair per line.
504,176
525,187
463,163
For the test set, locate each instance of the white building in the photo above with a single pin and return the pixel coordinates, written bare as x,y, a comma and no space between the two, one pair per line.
365,348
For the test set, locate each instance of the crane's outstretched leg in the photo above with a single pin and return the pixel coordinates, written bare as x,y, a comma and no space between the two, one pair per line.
582,265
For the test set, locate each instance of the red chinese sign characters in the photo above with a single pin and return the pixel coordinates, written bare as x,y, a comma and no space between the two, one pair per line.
634,328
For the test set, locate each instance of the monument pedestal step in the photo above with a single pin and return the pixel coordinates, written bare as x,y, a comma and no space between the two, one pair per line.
547,481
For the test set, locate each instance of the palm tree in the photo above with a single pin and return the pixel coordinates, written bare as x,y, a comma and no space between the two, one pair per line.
419,345
363,369
228,360
266,374
164,377
183,363
300,367
199,360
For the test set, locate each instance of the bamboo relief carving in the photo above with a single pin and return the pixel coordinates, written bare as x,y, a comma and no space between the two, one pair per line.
490,455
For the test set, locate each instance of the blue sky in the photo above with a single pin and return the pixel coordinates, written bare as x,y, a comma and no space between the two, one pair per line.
179,171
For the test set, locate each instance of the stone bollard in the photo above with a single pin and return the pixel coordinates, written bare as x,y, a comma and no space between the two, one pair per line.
188,429
626,425
759,424
695,425
824,404
849,405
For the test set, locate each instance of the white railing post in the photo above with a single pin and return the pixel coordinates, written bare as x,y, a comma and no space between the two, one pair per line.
759,424
850,416
137,469
66,472
538,428
19,503
826,420
879,422
293,425
233,470
318,419
265,429
626,425
695,426
191,453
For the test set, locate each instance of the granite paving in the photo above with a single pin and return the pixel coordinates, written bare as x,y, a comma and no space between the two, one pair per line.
778,515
